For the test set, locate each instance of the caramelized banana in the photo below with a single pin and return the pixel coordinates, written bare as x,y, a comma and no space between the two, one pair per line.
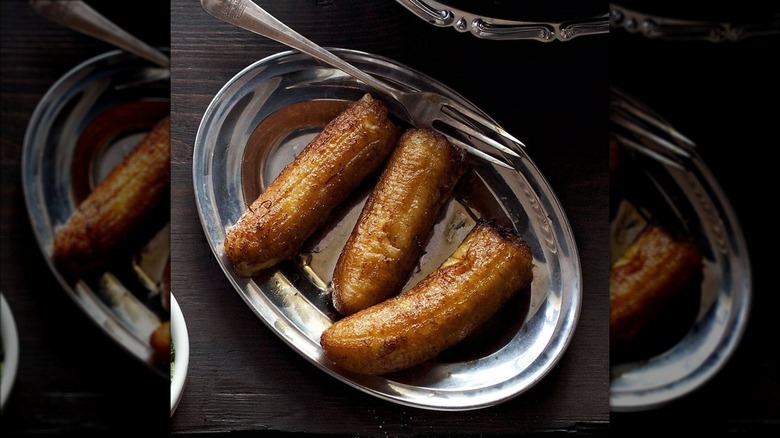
484,272
396,221
646,277
117,206
351,147
160,341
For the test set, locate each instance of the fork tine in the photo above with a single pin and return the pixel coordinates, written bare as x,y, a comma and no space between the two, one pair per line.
639,130
471,149
638,112
649,152
465,112
466,129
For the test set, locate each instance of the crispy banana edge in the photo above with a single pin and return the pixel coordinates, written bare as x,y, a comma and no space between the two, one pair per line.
117,206
483,273
351,147
396,220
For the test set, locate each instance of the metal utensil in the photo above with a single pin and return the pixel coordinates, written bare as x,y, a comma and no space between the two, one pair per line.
640,128
678,190
422,109
79,16
494,28
675,29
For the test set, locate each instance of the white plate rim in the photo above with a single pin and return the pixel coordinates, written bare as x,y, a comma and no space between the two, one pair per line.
10,337
181,344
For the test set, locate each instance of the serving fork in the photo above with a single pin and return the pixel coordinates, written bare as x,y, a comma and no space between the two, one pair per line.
636,125
675,29
79,16
422,109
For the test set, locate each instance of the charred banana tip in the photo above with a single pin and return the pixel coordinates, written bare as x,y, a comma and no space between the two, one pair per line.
504,231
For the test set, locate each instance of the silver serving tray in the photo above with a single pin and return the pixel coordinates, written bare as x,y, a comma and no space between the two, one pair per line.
120,305
672,185
264,116
498,28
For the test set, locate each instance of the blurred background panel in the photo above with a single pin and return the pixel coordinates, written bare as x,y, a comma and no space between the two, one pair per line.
71,375
721,95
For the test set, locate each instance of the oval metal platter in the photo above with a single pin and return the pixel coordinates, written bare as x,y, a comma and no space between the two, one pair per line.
264,116
83,126
667,182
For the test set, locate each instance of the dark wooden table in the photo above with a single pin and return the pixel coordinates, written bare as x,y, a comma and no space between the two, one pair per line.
723,97
553,96
71,376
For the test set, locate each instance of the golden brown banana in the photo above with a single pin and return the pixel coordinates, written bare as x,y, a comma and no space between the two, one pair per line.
351,147
396,220
485,271
117,206
653,268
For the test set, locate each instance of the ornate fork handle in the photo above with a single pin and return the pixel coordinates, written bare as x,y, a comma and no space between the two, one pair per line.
79,16
248,16
419,107
676,29
491,28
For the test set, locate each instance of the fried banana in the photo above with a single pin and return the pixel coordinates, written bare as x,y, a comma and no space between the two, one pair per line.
160,341
117,206
651,271
350,148
396,220
485,271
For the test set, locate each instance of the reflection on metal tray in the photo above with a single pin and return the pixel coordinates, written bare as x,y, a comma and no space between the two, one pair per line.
660,178
254,126
82,127
514,20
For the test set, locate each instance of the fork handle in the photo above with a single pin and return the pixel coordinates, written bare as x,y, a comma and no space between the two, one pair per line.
249,16
79,16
